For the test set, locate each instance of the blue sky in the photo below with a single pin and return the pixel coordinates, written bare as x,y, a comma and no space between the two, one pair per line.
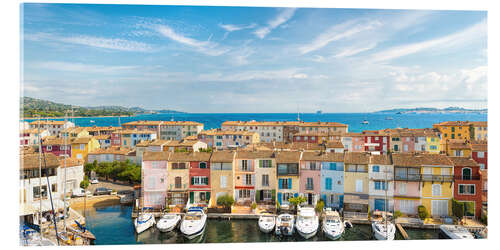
240,59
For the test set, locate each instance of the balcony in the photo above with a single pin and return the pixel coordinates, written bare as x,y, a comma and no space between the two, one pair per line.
467,178
437,178
408,177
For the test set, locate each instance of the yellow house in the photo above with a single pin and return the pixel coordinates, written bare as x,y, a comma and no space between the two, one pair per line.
479,130
433,142
80,147
221,175
453,130
437,184
288,175
458,148
76,132
356,183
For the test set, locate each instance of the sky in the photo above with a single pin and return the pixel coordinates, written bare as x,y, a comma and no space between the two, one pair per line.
205,59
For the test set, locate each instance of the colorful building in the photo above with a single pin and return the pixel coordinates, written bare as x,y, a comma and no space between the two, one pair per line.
332,180
288,175
468,186
221,175
75,132
154,179
29,137
244,178
129,138
480,153
407,183
55,128
356,184
112,154
80,147
376,142
381,183
199,175
228,139
265,176
458,147
453,130
437,183
310,177
433,141
479,130
353,142
57,146
178,180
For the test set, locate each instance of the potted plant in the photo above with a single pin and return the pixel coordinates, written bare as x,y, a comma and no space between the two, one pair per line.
254,206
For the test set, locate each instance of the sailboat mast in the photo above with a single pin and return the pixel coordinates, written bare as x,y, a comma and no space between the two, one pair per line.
40,178
65,167
385,206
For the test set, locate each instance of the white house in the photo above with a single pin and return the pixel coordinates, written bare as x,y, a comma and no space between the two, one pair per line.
381,184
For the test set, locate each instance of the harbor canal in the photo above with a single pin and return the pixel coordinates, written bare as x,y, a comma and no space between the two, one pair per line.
113,225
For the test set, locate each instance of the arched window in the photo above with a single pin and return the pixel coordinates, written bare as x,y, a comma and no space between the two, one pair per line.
466,173
203,165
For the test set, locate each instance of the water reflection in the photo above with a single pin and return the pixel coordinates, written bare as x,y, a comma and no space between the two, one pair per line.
113,225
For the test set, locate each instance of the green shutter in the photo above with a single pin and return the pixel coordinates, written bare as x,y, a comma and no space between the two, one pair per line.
273,194
257,195
191,197
260,163
192,180
208,196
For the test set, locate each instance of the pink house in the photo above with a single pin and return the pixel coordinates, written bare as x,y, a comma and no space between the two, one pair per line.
407,183
154,179
310,177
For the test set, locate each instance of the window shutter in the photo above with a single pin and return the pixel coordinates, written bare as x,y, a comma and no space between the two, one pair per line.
192,180
472,189
279,197
260,163
323,197
208,196
280,183
289,183
257,195
191,197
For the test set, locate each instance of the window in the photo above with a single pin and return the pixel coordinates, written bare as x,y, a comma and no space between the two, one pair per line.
436,189
202,165
82,146
266,163
359,186
379,185
328,183
402,188
481,166
203,196
376,169
407,206
267,194
284,184
199,180
468,189
49,148
244,165
309,184
433,147
351,168
286,197
156,165
333,166
312,166
223,181
244,193
248,179
480,154
53,188
265,180
178,182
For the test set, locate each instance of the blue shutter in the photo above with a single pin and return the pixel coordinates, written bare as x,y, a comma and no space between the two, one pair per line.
279,197
280,185
323,196
333,166
289,183
341,201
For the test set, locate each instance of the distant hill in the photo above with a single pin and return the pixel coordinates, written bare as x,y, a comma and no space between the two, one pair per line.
32,107
432,110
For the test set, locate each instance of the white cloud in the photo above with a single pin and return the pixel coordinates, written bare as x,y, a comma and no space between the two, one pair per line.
79,67
254,75
473,32
280,19
350,51
92,41
206,47
233,27
300,76
338,32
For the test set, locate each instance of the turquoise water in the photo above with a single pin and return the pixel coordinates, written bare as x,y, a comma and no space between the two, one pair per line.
113,225
377,121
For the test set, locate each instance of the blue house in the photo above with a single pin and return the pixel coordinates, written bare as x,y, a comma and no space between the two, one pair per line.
332,180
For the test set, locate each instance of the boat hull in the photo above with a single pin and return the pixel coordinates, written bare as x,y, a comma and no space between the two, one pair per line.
191,236
141,227
332,235
284,231
306,235
265,229
384,236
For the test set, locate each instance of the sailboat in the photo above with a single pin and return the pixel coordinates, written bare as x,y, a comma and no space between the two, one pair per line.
382,226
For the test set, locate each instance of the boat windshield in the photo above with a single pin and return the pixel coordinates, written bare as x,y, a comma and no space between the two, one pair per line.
193,217
267,219
170,217
286,218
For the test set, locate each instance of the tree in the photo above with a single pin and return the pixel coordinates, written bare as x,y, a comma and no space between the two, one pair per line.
225,200
295,201
422,212
85,183
319,206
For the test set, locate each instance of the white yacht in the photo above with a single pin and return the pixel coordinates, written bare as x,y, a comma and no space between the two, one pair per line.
143,222
382,226
284,225
332,225
455,232
307,222
194,222
168,222
267,223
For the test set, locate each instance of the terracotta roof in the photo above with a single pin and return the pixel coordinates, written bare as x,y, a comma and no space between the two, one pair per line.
418,160
334,144
31,161
156,123
226,132
112,150
102,137
32,131
42,122
135,131
313,156
76,129
70,162
190,138
95,129
357,158
143,143
352,134
458,144
191,156
480,147
319,134
81,140
254,154
222,156
288,157
283,123
157,142
480,124
156,156
55,141
453,123
463,161
292,145
380,159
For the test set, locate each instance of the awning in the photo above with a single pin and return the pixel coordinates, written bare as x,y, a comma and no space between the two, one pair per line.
34,207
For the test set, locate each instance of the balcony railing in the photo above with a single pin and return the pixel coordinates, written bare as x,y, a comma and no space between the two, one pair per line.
467,177
438,178
408,177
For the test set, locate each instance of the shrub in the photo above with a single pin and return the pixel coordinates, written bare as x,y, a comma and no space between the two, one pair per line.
422,212
457,208
85,183
295,201
254,205
319,206
397,214
225,201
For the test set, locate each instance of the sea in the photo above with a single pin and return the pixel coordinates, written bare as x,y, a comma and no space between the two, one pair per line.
376,121
113,225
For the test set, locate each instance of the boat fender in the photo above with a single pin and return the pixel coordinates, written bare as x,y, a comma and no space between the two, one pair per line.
347,224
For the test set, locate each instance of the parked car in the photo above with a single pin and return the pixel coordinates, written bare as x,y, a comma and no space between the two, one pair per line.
79,192
94,181
102,190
